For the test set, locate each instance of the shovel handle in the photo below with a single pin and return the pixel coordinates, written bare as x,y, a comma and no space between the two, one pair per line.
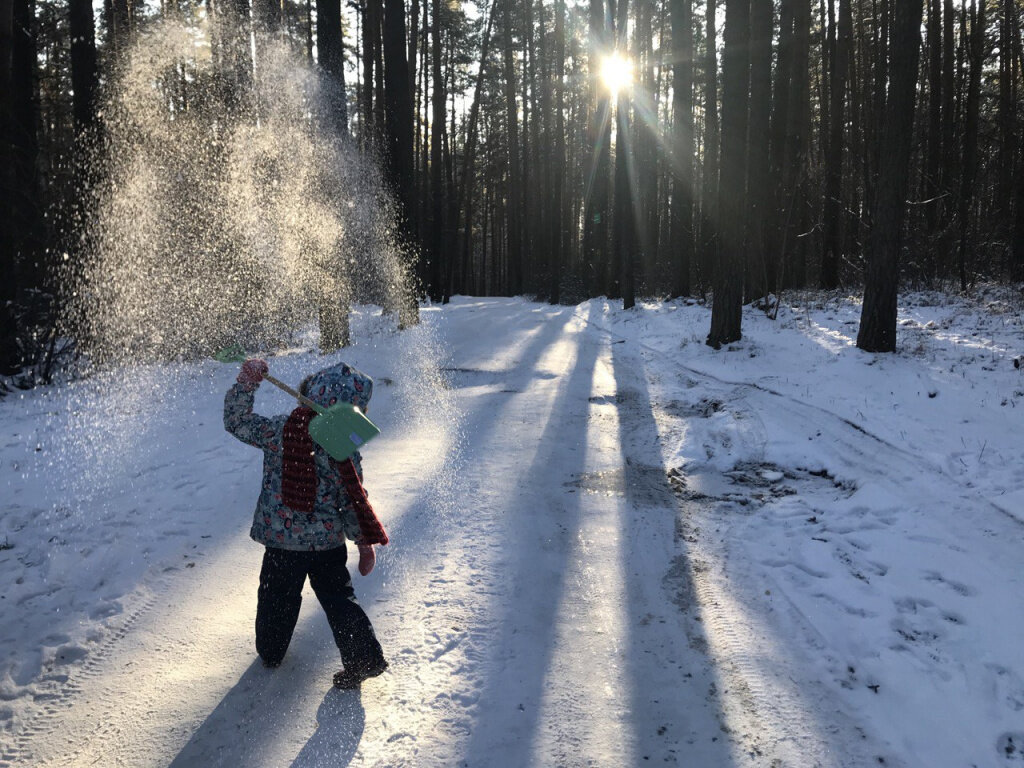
301,398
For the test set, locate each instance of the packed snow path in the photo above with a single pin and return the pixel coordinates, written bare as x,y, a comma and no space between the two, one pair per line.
558,592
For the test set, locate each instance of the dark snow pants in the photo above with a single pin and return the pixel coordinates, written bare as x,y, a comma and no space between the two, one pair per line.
282,577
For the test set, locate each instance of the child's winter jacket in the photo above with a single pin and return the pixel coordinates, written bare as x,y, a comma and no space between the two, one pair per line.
333,518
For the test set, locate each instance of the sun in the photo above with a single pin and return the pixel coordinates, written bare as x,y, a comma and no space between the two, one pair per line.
616,73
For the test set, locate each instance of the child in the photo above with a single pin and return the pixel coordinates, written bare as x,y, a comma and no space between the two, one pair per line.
308,506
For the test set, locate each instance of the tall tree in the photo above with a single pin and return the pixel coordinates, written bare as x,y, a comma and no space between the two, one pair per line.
709,181
781,162
557,230
624,221
682,145
933,160
121,23
8,224
727,307
758,149
84,72
834,155
969,164
370,131
398,115
877,331
331,53
437,140
466,204
599,133
798,124
514,234
1006,117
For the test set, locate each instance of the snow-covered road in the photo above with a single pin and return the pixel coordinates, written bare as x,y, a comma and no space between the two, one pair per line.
600,556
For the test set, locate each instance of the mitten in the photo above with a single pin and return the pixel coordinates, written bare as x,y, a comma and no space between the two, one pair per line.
367,558
252,373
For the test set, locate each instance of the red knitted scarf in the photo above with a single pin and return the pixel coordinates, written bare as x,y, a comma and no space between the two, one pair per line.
298,477
370,529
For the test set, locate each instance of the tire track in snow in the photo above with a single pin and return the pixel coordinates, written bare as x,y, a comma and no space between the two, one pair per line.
63,694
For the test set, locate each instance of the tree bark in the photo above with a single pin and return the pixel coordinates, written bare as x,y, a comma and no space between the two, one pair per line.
596,190
727,306
8,223
514,235
877,331
781,162
834,159
709,182
330,51
975,55
798,148
681,237
84,72
398,113
558,164
437,186
466,186
759,172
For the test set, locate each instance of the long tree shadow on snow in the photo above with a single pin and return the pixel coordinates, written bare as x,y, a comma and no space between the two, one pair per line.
508,718
674,686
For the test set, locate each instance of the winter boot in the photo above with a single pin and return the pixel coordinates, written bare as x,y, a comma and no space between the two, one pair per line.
348,679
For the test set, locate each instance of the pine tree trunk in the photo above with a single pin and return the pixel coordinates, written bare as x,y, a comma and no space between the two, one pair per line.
709,183
414,21
781,162
368,131
596,192
682,236
84,72
558,193
330,52
624,239
798,148
1006,119
877,331
759,174
437,187
122,25
975,55
727,306
8,222
467,185
1017,246
544,203
834,159
515,277
398,115
27,207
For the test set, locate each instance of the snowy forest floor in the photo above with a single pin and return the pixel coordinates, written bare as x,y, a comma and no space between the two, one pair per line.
611,545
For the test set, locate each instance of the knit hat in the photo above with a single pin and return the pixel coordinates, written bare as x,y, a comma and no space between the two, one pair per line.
340,383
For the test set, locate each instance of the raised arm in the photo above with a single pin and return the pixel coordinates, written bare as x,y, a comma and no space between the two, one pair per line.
239,420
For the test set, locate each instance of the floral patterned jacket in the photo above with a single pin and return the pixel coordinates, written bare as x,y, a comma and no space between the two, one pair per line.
274,524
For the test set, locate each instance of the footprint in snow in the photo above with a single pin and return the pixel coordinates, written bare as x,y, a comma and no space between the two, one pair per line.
1009,688
961,589
1010,747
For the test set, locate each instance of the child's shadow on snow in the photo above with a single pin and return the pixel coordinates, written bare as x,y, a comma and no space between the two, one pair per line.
340,720
254,716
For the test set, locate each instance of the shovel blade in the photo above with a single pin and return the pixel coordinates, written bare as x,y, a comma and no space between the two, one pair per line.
342,430
232,354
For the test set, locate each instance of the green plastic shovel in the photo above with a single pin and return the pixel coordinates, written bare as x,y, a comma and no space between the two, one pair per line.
341,430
